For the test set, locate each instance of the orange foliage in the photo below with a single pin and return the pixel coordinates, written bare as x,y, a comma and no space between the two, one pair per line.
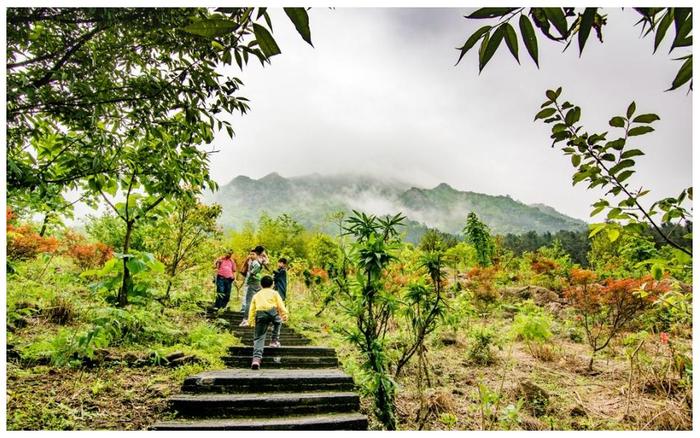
90,255
23,243
543,265
319,273
582,276
85,254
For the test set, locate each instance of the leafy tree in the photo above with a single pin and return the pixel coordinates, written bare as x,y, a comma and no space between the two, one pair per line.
323,251
151,171
85,83
608,164
177,238
109,229
605,309
282,235
370,305
563,24
436,240
424,307
477,233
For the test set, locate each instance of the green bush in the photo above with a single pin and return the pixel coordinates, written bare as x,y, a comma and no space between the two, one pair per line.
481,340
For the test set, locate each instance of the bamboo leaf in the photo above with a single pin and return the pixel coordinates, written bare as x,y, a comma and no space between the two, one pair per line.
511,40
491,47
490,12
300,19
585,27
267,43
529,38
472,40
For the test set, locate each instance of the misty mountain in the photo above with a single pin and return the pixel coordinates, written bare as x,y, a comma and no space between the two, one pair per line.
310,198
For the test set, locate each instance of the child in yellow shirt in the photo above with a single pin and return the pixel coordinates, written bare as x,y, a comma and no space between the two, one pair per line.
266,308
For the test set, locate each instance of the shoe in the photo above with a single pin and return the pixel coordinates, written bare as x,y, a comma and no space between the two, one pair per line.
256,363
275,344
243,323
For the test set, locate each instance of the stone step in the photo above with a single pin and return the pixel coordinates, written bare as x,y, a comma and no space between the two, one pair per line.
258,405
336,421
288,342
283,361
268,380
285,351
269,333
284,331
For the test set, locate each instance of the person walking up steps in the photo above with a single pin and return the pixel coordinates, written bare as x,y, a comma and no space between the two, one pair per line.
280,278
252,281
225,274
266,308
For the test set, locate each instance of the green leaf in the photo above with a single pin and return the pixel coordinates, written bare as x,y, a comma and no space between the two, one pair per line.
662,28
490,12
618,144
557,18
621,165
657,272
624,175
575,160
646,118
573,116
543,114
491,47
684,24
585,27
596,228
511,40
640,130
529,37
617,122
631,109
472,40
613,234
300,19
684,74
631,153
265,41
597,210
136,265
211,27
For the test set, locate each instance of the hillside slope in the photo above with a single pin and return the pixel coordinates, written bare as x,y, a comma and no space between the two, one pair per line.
311,198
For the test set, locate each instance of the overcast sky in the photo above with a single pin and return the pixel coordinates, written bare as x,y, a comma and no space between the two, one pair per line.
379,94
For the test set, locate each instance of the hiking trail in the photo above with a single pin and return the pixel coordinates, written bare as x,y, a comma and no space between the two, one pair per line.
299,387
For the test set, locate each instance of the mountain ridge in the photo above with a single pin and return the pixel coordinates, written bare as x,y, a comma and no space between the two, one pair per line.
310,198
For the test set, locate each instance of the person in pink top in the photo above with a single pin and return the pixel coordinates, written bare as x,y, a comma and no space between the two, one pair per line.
225,273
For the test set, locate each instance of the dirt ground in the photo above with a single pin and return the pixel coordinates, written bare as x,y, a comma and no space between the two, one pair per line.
577,400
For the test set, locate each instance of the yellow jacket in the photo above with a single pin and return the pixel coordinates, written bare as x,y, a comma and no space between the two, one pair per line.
266,299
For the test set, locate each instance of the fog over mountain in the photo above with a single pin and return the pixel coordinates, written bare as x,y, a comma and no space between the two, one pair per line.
311,198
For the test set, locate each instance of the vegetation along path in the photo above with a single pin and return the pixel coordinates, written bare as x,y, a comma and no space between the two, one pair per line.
299,387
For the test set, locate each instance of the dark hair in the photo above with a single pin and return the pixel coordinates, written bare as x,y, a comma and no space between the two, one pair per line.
266,281
282,260
259,249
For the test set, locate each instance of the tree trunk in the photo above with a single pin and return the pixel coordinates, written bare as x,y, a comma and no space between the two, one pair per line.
172,270
122,297
44,225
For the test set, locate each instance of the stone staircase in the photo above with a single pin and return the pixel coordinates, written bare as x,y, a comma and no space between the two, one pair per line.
299,387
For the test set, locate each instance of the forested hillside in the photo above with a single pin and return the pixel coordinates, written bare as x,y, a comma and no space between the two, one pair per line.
311,199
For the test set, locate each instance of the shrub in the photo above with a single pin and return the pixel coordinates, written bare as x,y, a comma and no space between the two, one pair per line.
481,284
90,255
606,308
23,243
535,330
61,310
480,351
